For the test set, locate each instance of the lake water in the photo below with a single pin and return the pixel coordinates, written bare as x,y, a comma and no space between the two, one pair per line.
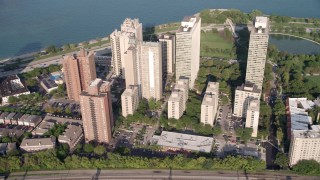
294,45
30,25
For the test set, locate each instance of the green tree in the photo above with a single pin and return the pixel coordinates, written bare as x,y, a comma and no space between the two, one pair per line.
5,139
67,110
307,167
13,100
279,107
282,160
99,150
88,148
51,49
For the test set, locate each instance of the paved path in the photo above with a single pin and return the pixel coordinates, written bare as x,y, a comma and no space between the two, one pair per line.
150,174
43,63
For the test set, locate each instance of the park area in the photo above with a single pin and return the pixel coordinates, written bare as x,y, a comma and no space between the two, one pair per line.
217,44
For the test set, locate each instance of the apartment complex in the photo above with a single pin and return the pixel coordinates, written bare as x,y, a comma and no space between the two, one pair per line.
305,145
79,70
188,49
130,34
257,52
243,95
96,110
130,64
129,100
252,116
210,104
297,115
38,144
176,105
178,98
151,70
168,44
72,136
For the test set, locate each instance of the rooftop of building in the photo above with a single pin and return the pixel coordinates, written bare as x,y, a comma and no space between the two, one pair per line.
185,141
187,23
209,100
4,115
254,105
212,87
72,132
150,44
261,25
11,115
11,85
129,91
175,96
249,87
38,141
166,36
298,115
47,81
313,133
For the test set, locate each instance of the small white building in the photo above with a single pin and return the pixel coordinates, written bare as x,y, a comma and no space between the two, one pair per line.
38,144
185,142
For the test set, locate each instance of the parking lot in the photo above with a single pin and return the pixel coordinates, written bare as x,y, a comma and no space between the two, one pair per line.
63,109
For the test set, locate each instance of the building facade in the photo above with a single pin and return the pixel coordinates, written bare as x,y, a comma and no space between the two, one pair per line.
130,33
305,145
72,136
151,70
257,53
130,64
176,105
129,100
188,49
252,116
243,95
210,104
79,70
96,110
168,44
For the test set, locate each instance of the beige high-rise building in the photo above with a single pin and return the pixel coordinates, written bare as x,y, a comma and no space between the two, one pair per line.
210,104
130,64
243,95
252,117
257,53
178,98
305,145
131,33
96,110
79,70
188,49
176,105
168,52
151,70
183,86
129,100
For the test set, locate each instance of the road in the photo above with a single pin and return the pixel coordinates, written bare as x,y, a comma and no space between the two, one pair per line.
43,63
150,174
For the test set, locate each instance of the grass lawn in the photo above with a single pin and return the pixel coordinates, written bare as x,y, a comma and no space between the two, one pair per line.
210,40
314,79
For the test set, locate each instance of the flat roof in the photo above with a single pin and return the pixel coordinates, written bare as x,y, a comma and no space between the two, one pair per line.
249,87
175,96
298,115
209,100
185,141
9,87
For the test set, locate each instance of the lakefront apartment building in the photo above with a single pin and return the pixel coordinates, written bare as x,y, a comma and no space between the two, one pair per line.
178,98
209,104
243,95
151,70
188,49
130,34
305,145
96,110
168,53
252,116
79,70
129,100
257,52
